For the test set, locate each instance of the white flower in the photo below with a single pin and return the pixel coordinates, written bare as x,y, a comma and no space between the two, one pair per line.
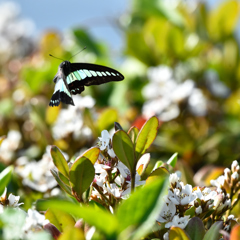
235,175
10,145
206,194
235,166
111,153
104,140
167,213
173,178
219,182
34,220
70,120
166,236
182,197
198,210
13,200
36,174
113,189
178,222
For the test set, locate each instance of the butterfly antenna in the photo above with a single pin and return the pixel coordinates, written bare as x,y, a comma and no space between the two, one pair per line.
77,53
55,57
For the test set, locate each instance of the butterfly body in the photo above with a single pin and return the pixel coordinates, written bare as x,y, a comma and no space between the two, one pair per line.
72,77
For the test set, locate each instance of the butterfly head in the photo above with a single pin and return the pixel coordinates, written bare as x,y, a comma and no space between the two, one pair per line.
65,67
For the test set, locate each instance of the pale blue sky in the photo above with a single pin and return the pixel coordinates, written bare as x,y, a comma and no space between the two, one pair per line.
98,16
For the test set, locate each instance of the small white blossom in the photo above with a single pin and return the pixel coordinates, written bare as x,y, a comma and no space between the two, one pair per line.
34,220
177,221
235,175
182,197
234,166
166,236
173,178
167,213
104,140
198,210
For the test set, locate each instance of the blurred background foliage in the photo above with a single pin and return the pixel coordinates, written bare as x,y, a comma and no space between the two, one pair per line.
180,62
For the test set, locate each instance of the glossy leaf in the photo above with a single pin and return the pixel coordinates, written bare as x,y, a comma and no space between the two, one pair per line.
173,160
5,177
139,212
81,175
159,173
59,161
60,219
63,178
176,233
213,232
65,187
104,222
133,133
146,136
73,234
92,154
195,229
123,148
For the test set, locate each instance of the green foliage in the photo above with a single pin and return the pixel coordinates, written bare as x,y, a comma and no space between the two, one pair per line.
5,177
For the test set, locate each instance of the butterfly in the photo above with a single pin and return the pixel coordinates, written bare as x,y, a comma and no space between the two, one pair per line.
72,77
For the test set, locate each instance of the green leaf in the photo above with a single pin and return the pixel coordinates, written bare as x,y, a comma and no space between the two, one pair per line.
59,161
60,219
64,186
64,179
85,39
123,148
92,154
139,212
133,133
94,216
220,23
195,229
178,233
213,232
5,177
157,165
146,136
173,160
159,173
107,119
81,175
73,234
160,9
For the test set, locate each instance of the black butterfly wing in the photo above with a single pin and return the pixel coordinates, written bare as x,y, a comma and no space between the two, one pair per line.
86,74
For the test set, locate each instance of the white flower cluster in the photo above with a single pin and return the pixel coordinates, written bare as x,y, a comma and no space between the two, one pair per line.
120,185
229,177
28,223
164,93
9,146
15,32
36,174
182,197
70,120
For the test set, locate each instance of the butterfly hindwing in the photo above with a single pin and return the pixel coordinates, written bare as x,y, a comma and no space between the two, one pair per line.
61,94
